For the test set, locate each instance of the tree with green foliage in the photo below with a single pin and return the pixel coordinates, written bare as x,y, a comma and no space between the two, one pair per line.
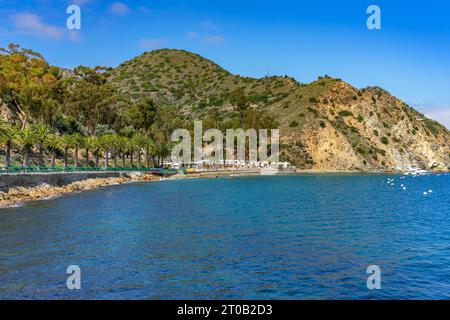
29,86
89,97
77,143
121,148
138,142
92,143
42,133
54,144
142,115
67,143
214,119
241,102
114,143
107,143
149,153
26,139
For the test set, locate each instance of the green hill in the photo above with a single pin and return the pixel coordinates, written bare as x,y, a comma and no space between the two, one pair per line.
325,125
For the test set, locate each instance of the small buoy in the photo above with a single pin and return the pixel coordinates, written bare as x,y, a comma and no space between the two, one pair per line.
425,193
404,188
430,191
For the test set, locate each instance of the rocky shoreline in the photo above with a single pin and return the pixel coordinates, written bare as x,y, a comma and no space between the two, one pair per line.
19,195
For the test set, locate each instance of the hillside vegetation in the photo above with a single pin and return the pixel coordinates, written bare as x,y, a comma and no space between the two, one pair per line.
326,125
131,111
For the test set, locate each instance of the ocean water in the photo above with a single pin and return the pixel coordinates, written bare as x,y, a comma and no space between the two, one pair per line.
282,237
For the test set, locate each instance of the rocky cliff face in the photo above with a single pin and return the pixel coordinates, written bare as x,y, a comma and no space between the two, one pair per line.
325,125
370,129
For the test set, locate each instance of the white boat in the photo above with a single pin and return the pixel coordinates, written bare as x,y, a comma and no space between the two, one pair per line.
415,171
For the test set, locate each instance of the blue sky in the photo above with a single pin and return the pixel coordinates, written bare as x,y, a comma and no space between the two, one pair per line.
409,56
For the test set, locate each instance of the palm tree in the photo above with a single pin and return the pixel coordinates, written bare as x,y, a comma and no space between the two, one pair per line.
67,143
77,143
138,142
163,153
26,139
4,127
7,133
115,144
154,152
107,144
121,148
42,133
91,143
149,151
96,144
54,143
131,148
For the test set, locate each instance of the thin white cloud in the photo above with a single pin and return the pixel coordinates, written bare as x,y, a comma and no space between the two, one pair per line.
151,44
213,39
32,24
207,37
119,9
440,114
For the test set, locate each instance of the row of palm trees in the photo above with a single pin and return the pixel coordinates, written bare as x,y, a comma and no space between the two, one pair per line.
42,139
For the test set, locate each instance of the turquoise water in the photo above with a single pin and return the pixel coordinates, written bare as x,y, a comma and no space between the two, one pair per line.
283,237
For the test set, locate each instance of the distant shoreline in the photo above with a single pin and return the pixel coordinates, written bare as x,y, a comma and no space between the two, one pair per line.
23,188
20,194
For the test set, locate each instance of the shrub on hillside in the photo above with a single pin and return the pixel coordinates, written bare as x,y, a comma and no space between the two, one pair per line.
293,124
313,100
345,113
